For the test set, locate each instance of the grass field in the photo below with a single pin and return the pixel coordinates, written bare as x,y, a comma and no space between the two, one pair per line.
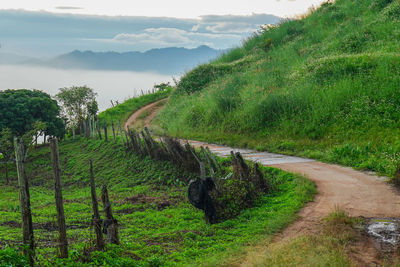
158,226
325,86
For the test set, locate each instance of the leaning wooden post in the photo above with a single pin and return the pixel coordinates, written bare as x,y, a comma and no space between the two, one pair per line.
96,216
213,159
110,224
24,200
105,132
55,159
113,129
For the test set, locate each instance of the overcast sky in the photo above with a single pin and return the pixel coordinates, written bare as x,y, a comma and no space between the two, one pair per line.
46,28
165,8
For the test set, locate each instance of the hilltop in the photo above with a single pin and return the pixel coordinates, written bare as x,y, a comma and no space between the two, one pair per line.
325,86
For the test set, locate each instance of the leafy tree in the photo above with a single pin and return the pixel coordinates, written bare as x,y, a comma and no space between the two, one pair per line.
6,149
162,86
21,110
78,102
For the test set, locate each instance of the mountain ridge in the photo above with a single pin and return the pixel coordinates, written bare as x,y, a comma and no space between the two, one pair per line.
170,60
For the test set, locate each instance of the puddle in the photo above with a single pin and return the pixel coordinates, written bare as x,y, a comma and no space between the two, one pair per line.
385,231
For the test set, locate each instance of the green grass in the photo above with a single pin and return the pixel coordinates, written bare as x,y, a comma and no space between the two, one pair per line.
324,86
331,245
158,226
122,111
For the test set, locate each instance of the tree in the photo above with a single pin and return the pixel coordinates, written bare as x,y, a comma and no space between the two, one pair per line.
6,149
78,102
21,110
162,86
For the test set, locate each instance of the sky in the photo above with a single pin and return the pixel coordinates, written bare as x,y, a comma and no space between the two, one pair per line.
47,28
165,8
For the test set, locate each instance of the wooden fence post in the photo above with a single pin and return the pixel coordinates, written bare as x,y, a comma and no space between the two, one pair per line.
213,159
105,132
113,129
110,224
126,138
96,216
81,129
24,199
85,130
120,132
98,127
55,158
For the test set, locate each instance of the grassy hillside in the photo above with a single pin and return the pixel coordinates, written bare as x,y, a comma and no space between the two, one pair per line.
158,226
325,86
121,112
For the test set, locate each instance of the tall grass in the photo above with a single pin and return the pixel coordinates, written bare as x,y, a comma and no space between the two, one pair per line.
122,111
322,82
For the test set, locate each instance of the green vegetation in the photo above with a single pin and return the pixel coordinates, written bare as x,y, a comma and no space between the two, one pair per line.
158,226
328,248
125,109
22,110
78,102
325,86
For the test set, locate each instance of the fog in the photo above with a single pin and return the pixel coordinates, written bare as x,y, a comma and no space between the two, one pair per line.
110,85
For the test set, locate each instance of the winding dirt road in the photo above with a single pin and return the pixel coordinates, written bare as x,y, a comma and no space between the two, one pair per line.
356,192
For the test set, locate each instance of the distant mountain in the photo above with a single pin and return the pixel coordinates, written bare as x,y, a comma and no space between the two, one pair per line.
171,60
8,58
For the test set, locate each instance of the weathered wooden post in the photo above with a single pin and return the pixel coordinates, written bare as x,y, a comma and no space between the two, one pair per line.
24,200
126,139
213,159
73,131
96,216
55,159
113,129
120,132
80,129
93,126
98,127
110,224
85,130
105,132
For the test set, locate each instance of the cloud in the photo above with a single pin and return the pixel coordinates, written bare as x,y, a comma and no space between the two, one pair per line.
68,7
162,37
48,34
234,24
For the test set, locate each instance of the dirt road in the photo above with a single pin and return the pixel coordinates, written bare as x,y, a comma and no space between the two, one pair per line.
151,111
358,193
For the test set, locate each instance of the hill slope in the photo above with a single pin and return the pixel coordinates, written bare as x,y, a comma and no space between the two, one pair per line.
324,86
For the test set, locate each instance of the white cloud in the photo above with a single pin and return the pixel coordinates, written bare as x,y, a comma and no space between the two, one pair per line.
232,27
162,37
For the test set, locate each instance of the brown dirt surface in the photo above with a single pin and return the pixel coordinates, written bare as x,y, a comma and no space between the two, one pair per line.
152,109
358,193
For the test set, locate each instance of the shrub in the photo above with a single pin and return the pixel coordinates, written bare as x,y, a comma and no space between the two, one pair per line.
199,77
13,258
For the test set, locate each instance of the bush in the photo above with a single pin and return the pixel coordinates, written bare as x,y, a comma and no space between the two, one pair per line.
199,77
13,258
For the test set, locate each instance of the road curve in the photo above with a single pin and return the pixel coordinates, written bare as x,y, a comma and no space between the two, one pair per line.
358,193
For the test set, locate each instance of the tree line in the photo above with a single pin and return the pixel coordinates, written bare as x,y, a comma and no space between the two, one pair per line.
29,114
